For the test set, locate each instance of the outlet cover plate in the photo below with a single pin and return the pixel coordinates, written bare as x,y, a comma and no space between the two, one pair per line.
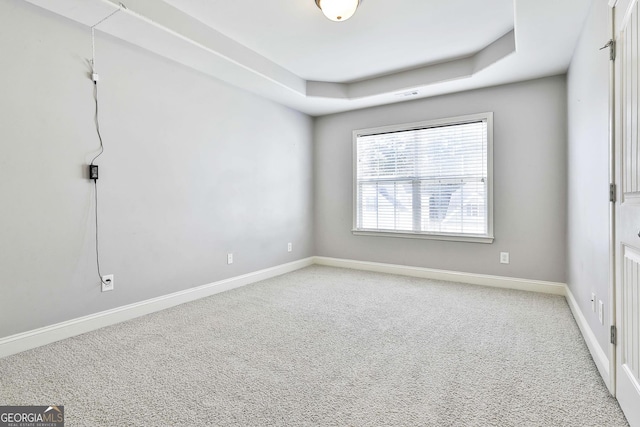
107,283
601,312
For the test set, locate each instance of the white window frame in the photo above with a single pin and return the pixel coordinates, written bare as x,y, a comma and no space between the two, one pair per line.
488,238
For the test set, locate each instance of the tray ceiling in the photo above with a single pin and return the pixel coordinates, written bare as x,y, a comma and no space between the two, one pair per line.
388,52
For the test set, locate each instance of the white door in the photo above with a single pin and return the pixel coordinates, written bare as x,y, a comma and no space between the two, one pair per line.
627,227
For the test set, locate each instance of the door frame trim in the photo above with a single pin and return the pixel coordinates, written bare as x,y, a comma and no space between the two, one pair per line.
612,205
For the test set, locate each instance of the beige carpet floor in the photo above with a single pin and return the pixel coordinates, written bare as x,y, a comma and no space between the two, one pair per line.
327,347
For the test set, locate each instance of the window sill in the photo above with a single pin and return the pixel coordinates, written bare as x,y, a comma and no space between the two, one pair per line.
445,237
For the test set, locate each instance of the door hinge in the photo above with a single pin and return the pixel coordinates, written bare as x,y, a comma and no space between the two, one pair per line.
612,193
613,335
611,44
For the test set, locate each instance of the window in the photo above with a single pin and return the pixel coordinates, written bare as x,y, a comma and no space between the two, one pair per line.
429,179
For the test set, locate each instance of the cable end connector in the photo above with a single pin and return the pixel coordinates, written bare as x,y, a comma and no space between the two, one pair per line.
93,172
95,77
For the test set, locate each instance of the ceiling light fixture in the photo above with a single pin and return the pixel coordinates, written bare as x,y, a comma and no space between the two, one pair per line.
338,10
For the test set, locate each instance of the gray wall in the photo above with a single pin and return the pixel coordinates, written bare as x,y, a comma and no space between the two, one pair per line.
529,176
192,169
588,169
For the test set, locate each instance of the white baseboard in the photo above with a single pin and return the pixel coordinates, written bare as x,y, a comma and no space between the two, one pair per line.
451,276
597,353
42,336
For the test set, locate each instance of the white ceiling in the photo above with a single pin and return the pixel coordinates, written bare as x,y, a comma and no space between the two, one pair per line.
287,51
381,38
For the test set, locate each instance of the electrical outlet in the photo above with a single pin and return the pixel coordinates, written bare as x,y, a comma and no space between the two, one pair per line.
504,257
229,258
601,312
107,283
289,247
593,302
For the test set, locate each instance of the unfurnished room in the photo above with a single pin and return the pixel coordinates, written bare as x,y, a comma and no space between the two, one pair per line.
319,213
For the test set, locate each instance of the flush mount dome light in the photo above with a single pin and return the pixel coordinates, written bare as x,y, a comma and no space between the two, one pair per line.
338,10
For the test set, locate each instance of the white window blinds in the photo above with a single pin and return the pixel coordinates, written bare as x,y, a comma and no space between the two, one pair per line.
427,180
